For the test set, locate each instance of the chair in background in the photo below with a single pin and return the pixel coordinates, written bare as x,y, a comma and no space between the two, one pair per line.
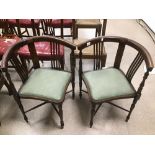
88,24
88,52
46,84
21,27
49,26
105,85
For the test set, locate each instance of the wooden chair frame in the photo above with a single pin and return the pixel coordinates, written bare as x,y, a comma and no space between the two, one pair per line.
143,55
11,56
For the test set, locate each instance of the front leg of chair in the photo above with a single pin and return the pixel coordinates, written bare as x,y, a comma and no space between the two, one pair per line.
17,98
61,115
92,114
131,108
8,87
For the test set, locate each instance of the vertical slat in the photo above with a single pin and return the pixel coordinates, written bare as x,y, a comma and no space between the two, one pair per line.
104,27
33,27
98,50
19,68
61,29
134,66
18,28
80,73
94,52
119,55
33,54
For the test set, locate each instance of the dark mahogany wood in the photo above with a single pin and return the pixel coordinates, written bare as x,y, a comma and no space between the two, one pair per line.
10,56
142,56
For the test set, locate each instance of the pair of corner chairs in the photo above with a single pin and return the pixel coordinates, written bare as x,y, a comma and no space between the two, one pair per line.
50,84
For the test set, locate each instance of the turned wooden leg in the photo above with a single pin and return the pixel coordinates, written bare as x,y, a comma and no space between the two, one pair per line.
131,109
61,116
80,85
17,99
92,114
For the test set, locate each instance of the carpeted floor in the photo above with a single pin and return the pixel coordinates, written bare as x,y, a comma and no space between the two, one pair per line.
108,120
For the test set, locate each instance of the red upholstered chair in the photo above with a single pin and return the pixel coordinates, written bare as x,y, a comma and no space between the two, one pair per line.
49,26
17,26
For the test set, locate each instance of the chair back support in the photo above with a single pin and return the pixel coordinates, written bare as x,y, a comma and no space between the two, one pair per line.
99,55
11,54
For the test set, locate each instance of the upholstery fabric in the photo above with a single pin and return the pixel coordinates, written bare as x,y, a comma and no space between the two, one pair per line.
107,84
46,84
6,43
43,50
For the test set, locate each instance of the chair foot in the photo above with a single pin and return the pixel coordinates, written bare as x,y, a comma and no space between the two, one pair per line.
26,119
62,124
127,118
91,124
73,94
80,95
92,114
61,116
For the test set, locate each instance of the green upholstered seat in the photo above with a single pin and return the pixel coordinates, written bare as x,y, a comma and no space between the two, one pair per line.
108,83
46,84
